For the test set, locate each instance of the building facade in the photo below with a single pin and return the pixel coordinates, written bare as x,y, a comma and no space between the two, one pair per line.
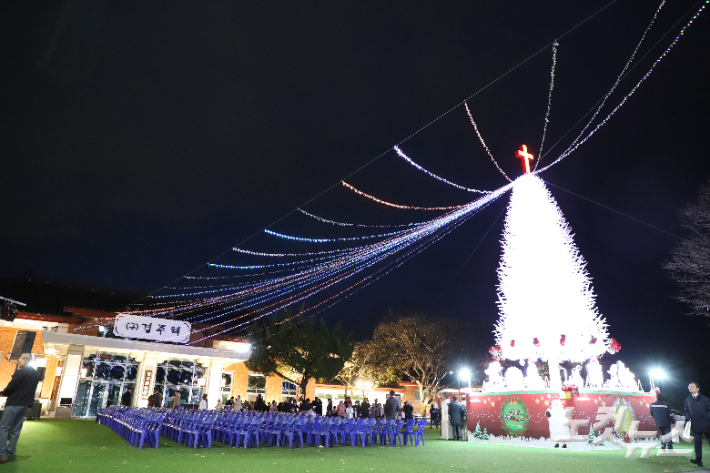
86,368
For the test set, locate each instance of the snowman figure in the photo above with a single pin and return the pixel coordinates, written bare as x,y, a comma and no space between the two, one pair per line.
595,376
576,377
495,376
558,421
617,373
514,379
532,377
629,380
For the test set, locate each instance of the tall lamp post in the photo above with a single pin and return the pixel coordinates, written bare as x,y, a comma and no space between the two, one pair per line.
655,374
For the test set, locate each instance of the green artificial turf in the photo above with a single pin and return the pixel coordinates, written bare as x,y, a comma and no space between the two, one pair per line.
57,446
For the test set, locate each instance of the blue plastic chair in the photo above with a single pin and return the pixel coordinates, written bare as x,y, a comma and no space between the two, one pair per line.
293,431
408,432
419,434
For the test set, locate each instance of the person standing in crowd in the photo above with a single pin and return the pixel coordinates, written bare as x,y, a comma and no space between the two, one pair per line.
219,407
408,410
319,406
662,416
391,407
365,408
697,411
434,416
329,408
230,402
375,411
176,399
20,394
157,398
341,409
127,397
259,405
203,403
456,411
273,407
305,406
151,400
237,403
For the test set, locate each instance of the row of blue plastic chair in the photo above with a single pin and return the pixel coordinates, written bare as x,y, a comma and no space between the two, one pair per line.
199,428
135,425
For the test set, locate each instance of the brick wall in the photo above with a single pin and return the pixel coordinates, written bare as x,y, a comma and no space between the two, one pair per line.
273,389
7,368
239,380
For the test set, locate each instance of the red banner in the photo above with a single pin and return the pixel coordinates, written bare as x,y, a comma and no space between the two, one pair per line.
528,415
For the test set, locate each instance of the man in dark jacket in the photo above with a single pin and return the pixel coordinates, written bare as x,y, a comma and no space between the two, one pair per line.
127,398
365,408
456,415
20,394
391,407
662,416
697,411
329,408
305,406
434,415
408,410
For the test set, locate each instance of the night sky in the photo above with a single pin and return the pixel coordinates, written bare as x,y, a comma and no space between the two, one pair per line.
141,140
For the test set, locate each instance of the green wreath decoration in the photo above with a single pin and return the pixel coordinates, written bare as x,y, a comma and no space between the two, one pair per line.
514,416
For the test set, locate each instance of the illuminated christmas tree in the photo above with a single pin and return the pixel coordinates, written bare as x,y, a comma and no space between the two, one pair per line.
546,302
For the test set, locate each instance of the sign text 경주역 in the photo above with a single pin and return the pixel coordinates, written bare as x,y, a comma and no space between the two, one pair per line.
150,328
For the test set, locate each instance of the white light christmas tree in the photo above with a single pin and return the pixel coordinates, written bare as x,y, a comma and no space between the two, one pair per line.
545,298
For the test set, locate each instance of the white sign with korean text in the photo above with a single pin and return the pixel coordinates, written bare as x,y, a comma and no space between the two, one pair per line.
150,328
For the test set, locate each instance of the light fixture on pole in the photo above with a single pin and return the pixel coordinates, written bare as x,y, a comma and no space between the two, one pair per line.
364,385
655,374
464,373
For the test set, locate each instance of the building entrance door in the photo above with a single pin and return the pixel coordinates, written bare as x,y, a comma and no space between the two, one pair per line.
104,379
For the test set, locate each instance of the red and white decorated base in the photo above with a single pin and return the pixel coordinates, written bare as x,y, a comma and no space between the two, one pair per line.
521,417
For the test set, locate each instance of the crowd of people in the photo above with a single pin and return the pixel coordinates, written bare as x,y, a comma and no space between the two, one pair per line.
344,408
347,408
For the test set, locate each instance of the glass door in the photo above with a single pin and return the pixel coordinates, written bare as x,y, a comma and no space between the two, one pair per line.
104,379
98,398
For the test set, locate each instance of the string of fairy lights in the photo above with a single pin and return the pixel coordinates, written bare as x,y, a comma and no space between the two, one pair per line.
555,45
228,297
577,143
483,142
438,178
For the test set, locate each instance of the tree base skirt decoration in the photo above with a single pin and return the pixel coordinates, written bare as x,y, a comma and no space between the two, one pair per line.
519,418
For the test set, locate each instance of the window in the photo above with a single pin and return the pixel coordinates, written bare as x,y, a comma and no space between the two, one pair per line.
287,390
104,379
256,384
226,386
417,397
179,376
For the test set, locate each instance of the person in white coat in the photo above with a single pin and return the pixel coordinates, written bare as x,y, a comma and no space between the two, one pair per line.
203,403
